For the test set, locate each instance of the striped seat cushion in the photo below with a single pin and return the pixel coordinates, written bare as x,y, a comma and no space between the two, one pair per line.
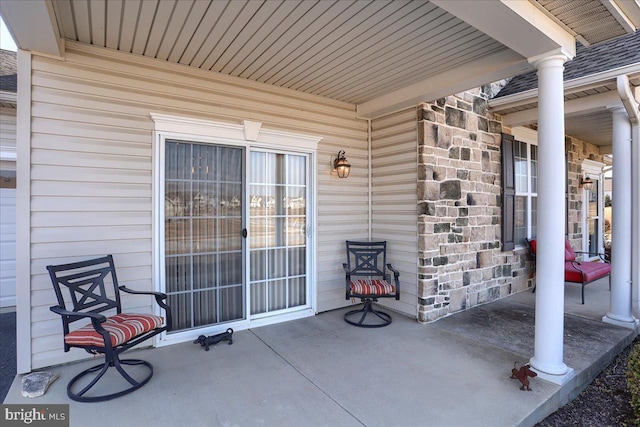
371,287
121,327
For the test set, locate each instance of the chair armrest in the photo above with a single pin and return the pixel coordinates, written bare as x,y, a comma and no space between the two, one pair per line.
396,273
347,280
346,270
76,315
160,297
576,264
396,278
96,320
602,256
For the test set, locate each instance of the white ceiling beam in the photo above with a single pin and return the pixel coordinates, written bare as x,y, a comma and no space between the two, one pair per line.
33,25
572,108
517,24
616,10
631,8
487,69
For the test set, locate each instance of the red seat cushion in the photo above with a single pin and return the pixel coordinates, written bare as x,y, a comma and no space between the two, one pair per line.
121,327
592,271
371,287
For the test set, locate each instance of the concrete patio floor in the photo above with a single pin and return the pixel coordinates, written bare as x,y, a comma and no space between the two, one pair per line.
320,371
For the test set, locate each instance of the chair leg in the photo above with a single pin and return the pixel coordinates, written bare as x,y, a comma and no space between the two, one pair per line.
363,312
103,368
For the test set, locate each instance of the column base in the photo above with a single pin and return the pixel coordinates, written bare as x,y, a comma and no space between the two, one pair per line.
630,323
555,379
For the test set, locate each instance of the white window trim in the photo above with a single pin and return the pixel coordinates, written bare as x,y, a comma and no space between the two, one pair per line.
530,137
221,131
594,170
248,134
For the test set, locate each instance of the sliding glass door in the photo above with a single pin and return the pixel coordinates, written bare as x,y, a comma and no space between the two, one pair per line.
278,231
217,269
203,233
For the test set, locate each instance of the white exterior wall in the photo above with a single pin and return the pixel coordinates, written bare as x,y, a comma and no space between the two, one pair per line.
92,178
7,210
394,200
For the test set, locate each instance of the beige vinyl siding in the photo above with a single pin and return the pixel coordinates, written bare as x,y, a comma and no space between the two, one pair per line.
394,199
92,167
339,219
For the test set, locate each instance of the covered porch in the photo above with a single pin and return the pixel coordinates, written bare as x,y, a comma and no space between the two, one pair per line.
97,74
322,371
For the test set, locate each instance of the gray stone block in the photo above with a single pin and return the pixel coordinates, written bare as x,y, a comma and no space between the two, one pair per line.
456,118
37,383
444,137
480,106
450,190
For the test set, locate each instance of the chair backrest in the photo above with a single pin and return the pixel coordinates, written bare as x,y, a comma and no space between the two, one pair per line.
569,254
367,258
86,284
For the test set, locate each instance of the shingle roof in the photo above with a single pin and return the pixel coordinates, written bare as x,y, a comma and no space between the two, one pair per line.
9,83
8,70
595,59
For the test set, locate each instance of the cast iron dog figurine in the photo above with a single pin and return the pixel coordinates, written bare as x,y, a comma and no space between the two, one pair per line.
522,374
214,339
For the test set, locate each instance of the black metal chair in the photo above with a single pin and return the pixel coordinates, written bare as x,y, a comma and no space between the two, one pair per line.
86,285
367,278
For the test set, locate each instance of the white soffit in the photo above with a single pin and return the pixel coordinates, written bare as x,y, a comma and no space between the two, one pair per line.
519,25
381,55
33,26
351,51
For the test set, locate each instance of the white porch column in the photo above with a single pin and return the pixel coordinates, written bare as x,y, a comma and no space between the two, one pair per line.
621,255
549,327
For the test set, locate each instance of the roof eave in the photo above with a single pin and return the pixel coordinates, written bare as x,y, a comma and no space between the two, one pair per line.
570,86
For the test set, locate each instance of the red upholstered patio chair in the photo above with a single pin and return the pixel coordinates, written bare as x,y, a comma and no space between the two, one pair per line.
583,272
86,287
367,278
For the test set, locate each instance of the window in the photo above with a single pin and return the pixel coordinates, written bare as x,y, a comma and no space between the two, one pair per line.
526,199
519,191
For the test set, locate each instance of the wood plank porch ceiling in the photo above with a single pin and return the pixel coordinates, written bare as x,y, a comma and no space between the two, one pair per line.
351,51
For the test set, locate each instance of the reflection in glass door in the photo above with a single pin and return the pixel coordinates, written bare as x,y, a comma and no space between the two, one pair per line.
203,233
278,231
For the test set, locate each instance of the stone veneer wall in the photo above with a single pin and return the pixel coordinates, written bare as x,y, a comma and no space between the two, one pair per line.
460,261
577,152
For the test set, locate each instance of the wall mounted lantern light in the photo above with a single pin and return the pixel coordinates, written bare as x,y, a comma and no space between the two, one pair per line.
586,183
341,165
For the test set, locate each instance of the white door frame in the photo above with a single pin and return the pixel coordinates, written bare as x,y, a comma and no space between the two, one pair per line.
249,134
593,170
